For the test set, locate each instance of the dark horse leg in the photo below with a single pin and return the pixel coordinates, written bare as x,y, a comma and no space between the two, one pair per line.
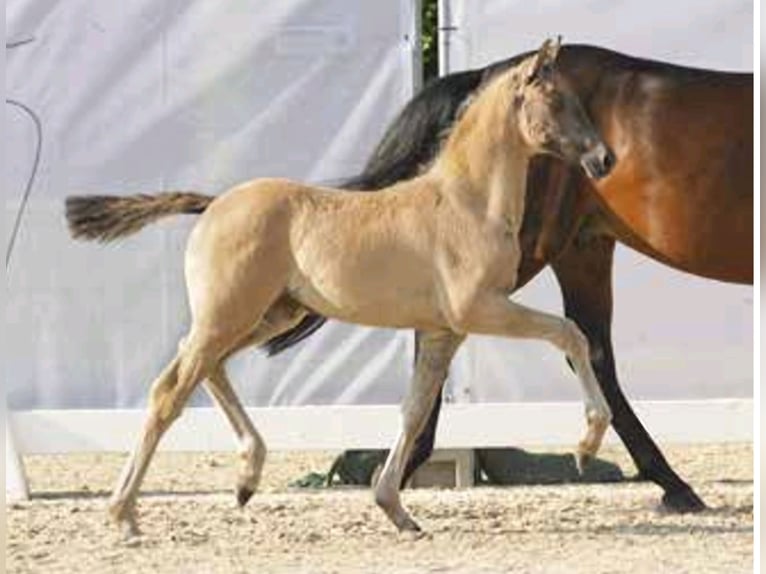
584,272
424,444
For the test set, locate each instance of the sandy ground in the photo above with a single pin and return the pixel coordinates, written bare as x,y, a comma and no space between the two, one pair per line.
191,524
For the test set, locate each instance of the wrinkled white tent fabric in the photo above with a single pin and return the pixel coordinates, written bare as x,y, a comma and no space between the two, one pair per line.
15,481
145,96
676,336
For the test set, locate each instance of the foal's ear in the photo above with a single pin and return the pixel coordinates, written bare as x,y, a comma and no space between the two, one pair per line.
553,49
544,59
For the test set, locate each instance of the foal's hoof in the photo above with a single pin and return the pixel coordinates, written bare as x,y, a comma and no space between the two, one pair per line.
244,494
582,459
407,524
125,519
132,540
682,501
130,535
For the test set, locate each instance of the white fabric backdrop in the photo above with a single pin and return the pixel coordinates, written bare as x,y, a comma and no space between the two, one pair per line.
676,336
142,96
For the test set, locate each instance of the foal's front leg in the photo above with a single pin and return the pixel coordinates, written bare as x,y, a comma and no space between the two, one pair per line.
493,314
436,350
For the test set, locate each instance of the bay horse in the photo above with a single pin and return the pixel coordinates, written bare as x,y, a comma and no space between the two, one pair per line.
682,195
439,253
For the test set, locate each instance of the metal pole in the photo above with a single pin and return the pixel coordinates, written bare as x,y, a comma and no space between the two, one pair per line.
445,28
16,488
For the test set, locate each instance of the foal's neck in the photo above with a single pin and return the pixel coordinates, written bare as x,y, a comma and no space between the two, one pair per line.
483,164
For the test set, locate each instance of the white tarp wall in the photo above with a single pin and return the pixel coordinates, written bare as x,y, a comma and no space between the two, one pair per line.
676,336
144,96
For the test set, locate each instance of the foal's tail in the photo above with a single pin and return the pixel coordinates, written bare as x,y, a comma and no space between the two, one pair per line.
106,218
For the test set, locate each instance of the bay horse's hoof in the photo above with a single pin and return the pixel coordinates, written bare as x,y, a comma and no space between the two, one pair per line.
244,494
682,501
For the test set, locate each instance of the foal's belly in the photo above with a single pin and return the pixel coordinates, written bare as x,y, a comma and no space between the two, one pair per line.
398,286
383,292
397,267
377,281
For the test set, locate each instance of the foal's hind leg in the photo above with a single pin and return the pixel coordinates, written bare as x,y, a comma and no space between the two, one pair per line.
494,314
252,446
436,350
282,316
169,393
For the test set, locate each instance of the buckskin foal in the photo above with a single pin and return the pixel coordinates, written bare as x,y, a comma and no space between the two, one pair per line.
439,253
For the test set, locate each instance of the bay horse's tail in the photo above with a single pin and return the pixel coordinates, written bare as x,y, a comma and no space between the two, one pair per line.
106,217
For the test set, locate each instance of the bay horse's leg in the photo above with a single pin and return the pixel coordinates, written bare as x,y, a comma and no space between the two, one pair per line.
424,444
434,356
169,393
584,272
494,314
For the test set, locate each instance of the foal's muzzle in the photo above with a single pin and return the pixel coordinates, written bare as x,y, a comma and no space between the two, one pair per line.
598,161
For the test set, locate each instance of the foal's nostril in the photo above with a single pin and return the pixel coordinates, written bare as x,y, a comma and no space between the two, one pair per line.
608,160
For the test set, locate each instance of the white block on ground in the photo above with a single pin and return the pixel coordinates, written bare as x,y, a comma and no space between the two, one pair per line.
447,468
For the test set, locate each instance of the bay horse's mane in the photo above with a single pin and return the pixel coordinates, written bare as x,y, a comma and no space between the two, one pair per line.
607,59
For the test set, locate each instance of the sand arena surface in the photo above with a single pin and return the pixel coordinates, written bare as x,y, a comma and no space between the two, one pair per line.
191,524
